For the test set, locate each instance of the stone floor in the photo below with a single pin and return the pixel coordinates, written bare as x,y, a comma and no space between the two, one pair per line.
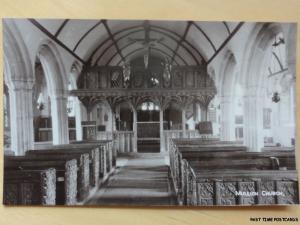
140,179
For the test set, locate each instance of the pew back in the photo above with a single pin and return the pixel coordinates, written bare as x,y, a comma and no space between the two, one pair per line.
30,187
66,174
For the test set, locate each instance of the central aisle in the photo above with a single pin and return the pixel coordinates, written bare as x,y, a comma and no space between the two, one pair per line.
140,179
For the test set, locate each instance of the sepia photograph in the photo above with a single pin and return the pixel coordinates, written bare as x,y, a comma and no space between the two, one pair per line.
149,112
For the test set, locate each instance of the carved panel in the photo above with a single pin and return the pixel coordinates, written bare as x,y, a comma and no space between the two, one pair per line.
11,194
154,79
138,79
28,192
287,192
249,189
166,79
184,180
103,161
266,186
116,78
201,79
102,79
71,182
95,170
191,187
209,81
205,193
190,79
177,78
91,80
84,177
226,193
48,187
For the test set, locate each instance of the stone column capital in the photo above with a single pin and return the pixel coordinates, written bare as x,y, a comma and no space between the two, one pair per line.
225,98
60,97
254,91
19,85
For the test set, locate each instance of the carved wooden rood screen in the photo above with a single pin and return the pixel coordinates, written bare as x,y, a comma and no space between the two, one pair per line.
185,84
135,83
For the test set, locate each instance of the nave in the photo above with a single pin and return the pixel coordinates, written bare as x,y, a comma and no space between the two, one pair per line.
139,179
196,172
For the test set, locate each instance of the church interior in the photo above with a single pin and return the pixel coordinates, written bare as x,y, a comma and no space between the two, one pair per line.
149,112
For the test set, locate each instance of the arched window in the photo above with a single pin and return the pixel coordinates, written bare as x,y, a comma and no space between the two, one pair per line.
149,106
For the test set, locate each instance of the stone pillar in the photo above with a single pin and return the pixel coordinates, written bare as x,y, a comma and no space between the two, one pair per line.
78,120
183,116
134,129
203,113
198,112
161,130
21,116
293,104
117,116
253,120
227,119
60,129
292,69
113,120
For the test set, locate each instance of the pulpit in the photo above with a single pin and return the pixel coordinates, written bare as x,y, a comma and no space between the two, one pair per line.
205,127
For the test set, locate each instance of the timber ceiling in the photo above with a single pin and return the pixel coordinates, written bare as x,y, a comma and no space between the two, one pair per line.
111,42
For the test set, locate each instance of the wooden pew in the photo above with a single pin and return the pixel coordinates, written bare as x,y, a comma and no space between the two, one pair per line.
286,155
83,162
101,160
105,150
29,187
222,164
66,174
199,141
260,163
177,153
93,151
211,158
107,144
226,187
286,160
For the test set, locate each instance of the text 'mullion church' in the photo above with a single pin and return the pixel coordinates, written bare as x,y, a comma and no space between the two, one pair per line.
146,112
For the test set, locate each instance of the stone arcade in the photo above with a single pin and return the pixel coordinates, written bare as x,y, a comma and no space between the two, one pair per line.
149,112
